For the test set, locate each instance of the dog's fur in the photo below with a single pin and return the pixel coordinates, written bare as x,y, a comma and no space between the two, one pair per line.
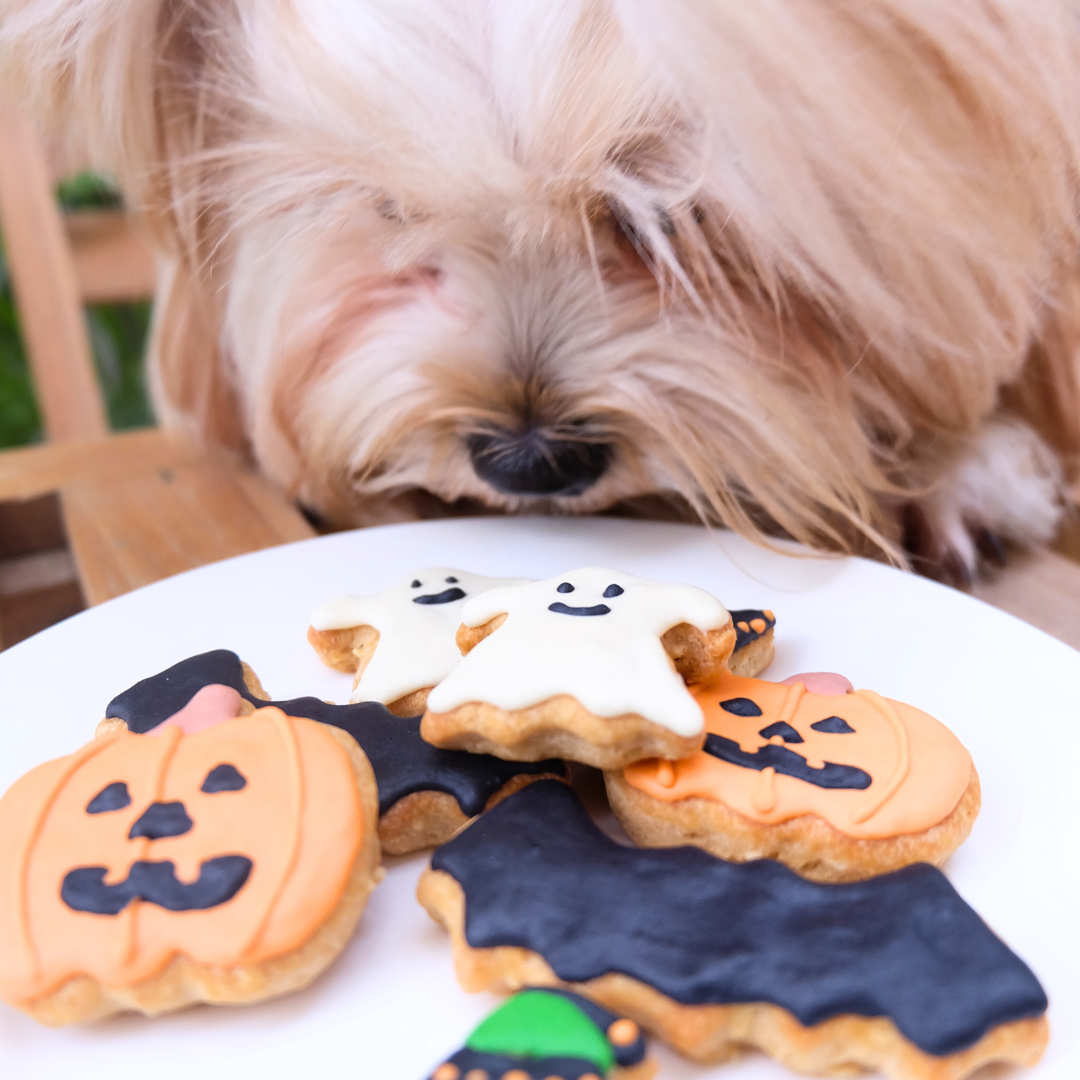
803,263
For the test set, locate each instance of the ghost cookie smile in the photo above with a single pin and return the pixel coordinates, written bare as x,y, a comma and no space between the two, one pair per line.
398,643
592,665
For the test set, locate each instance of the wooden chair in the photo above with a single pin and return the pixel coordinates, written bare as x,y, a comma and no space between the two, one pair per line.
89,514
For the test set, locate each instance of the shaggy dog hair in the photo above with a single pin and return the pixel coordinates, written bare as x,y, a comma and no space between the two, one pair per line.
800,267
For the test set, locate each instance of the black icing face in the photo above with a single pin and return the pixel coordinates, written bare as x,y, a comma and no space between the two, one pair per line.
780,758
155,882
446,596
560,607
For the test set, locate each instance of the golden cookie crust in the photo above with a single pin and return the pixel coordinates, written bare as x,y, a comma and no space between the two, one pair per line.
753,658
844,1045
184,982
809,845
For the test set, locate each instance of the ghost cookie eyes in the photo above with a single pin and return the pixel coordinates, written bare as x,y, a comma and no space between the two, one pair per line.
592,665
840,786
227,865
399,643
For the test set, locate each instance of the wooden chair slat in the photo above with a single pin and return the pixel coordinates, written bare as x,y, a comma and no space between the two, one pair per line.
46,288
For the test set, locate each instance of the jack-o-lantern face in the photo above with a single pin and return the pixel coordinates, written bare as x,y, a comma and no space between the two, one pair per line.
869,766
228,846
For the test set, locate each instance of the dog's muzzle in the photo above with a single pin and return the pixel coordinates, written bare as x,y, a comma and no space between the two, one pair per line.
537,462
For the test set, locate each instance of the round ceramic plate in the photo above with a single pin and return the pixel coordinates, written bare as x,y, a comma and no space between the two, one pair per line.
390,1008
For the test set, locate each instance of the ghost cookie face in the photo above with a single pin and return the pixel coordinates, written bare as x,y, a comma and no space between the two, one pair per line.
398,643
548,1034
592,665
839,786
151,872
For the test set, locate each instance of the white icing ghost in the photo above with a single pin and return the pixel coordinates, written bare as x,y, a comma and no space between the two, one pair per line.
417,618
592,633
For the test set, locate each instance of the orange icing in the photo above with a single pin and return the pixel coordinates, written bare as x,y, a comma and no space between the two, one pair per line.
919,769
298,819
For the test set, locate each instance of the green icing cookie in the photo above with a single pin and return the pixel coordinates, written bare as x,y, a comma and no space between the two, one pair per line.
539,1025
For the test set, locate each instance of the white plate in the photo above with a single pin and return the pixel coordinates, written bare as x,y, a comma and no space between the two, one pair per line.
390,1008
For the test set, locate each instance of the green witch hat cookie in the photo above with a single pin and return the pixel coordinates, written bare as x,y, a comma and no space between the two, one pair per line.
544,1034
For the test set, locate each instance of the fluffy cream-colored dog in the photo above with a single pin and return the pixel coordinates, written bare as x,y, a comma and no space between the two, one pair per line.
804,267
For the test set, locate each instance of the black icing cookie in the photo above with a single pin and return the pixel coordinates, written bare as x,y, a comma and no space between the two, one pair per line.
402,761
537,873
745,631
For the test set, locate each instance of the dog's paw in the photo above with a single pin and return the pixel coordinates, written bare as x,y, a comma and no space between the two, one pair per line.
1004,488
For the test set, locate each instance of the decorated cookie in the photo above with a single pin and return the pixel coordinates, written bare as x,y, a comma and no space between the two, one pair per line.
398,643
895,973
839,786
754,631
425,794
544,1033
147,873
591,665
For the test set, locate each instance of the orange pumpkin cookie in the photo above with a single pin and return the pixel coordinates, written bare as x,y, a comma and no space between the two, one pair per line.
150,872
839,786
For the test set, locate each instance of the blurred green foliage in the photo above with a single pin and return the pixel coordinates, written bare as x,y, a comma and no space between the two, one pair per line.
117,337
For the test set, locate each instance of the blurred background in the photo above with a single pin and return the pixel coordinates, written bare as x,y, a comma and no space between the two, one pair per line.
117,336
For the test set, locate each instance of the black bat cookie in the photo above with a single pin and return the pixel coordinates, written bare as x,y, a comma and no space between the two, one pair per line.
537,873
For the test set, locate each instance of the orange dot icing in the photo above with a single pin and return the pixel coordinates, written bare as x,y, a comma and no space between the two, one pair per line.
758,625
297,818
919,769
623,1032
446,1071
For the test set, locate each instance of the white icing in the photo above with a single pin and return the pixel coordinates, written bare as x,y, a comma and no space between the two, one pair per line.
416,641
612,663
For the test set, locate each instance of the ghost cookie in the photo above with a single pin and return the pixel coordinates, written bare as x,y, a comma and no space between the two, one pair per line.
591,665
148,873
425,794
544,1033
896,973
399,643
837,785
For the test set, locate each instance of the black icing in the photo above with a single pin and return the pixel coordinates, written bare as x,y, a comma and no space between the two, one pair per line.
565,587
613,590
834,725
784,730
402,761
223,777
161,819
447,596
564,609
110,797
747,616
416,583
741,706
537,873
219,879
494,1066
451,580
786,761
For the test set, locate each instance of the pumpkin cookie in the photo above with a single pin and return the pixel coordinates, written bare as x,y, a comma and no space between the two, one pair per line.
896,973
549,1034
398,643
591,665
425,794
839,786
149,873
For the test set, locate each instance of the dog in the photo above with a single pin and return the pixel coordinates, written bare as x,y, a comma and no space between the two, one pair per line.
803,268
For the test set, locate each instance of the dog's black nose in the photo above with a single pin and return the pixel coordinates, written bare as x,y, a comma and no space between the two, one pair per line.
537,462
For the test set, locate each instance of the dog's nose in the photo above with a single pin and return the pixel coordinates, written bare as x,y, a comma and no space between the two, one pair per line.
534,462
